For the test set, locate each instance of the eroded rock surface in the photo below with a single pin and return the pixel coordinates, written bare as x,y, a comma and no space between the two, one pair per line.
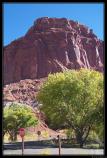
24,92
52,45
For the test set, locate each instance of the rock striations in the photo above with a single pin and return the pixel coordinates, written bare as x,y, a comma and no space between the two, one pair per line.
52,45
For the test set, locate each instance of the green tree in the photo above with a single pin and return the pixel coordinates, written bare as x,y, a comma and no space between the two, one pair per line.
99,131
17,116
73,99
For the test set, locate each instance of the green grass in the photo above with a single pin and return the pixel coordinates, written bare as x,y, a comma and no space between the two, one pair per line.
92,146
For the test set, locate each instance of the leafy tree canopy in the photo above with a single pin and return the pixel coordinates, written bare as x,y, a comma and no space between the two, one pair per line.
17,116
73,99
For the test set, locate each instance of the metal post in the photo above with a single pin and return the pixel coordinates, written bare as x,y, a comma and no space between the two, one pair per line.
59,141
22,145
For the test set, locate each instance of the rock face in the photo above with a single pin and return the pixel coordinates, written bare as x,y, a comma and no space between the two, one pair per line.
24,92
52,45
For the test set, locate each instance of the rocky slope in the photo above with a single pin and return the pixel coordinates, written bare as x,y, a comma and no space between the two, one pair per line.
52,45
22,92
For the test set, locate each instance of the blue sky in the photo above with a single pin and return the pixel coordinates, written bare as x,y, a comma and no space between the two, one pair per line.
19,17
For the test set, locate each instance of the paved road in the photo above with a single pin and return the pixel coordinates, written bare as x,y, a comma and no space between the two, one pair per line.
54,151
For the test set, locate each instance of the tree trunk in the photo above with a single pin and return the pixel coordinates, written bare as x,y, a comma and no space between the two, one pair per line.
79,139
80,136
13,136
3,133
81,144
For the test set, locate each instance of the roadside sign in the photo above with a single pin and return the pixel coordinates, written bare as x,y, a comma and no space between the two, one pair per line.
22,132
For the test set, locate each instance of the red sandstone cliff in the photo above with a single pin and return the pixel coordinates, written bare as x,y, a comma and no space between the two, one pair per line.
52,45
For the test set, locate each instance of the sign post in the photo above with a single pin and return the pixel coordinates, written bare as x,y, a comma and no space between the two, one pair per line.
22,134
22,145
38,133
59,142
